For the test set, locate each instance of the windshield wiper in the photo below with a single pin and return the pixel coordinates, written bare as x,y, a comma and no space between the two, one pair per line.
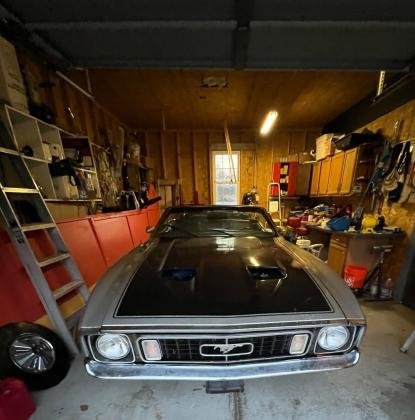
179,229
224,231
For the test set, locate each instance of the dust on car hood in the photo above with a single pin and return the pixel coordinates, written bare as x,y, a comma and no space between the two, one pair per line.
216,276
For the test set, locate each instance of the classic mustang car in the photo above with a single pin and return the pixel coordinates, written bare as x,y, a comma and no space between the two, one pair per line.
217,295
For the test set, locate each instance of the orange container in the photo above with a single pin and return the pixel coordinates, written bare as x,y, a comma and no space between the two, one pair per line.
354,276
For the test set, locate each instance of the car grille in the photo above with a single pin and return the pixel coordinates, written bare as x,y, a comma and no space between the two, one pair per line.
225,350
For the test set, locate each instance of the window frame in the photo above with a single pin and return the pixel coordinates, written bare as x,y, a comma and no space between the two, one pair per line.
213,183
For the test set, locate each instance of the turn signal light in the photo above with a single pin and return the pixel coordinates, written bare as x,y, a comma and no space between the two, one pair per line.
151,350
298,344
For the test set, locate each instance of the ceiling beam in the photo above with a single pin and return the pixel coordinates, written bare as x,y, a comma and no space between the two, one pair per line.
88,25
12,28
241,34
370,108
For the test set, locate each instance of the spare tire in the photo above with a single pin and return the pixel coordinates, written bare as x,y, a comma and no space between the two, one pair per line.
34,354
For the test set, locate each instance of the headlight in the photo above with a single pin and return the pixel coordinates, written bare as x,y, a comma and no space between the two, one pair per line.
333,338
113,346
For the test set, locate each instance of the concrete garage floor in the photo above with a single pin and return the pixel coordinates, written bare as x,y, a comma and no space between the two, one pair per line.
381,386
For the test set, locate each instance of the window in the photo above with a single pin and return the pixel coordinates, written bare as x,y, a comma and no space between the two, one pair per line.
211,221
225,182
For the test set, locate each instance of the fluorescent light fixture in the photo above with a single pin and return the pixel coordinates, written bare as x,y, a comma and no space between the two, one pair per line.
268,122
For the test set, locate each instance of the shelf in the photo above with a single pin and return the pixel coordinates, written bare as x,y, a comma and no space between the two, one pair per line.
35,159
67,200
21,114
27,130
7,151
90,171
284,197
12,190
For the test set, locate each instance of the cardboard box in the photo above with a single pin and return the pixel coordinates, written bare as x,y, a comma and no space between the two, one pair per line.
292,158
64,189
324,146
12,89
56,151
305,157
46,151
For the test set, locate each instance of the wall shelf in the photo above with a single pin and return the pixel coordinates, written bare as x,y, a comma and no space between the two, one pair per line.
64,200
35,159
42,138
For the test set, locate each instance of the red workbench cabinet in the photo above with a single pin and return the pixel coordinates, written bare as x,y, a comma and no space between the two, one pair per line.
96,242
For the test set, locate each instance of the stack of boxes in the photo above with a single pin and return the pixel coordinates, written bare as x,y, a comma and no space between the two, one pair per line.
12,88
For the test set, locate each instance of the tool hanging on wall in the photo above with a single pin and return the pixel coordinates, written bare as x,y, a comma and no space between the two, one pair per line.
408,191
382,170
229,149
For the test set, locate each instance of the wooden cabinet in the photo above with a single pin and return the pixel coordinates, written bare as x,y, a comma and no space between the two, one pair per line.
335,176
349,168
303,179
337,253
324,177
315,178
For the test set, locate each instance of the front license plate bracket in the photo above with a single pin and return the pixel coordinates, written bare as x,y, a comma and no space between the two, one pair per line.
221,387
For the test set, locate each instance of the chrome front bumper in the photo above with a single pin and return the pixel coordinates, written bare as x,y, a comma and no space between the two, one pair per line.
199,372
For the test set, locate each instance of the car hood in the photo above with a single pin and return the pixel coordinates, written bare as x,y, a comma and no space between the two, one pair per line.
220,276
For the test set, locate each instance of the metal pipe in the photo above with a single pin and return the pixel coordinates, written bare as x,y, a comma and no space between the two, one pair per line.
381,82
73,84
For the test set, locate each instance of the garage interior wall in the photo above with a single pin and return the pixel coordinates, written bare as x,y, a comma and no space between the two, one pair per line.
402,215
85,117
185,154
73,110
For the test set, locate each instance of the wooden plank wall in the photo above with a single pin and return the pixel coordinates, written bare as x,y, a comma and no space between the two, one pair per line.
187,156
402,215
88,116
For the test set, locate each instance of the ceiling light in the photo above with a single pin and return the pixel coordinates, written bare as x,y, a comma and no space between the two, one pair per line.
268,122
218,82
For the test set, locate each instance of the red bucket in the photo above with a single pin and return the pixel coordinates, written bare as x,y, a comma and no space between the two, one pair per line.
15,400
354,276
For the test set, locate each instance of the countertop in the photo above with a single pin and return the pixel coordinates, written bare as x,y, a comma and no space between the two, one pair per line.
381,235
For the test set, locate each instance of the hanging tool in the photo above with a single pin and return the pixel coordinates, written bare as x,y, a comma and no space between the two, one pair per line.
382,169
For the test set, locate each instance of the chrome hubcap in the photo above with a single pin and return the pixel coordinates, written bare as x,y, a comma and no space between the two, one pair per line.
32,353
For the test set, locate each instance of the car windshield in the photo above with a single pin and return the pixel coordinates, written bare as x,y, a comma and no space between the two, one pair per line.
198,222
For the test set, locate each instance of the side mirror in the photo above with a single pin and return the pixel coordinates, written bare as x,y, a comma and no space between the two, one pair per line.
150,229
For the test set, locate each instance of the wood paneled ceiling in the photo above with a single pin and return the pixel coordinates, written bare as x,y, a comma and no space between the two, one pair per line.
302,98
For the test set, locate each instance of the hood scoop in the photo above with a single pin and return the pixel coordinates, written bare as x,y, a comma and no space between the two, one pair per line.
267,273
179,274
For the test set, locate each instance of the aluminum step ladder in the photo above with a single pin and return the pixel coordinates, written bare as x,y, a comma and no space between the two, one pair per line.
37,217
